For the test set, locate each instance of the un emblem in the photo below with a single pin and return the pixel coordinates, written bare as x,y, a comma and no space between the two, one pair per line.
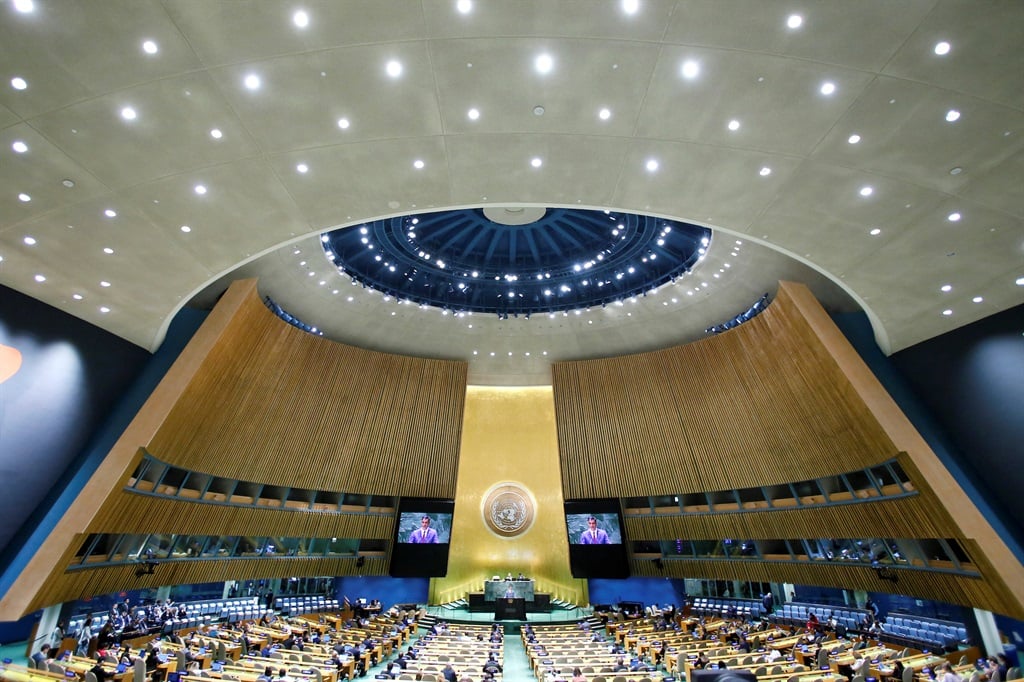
508,510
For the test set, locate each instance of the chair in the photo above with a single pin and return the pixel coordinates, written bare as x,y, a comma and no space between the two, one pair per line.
139,670
618,678
760,671
54,668
908,674
822,658
776,670
598,679
1013,673
90,676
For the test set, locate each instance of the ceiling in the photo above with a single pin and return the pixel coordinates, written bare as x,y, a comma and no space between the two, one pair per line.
874,152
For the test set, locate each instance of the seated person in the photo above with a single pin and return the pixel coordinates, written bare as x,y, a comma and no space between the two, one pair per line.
42,657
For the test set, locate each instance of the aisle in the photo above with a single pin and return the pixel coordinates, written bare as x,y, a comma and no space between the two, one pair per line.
517,664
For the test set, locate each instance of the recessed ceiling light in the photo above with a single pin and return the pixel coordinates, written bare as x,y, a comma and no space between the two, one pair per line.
952,115
301,18
875,232
977,299
630,6
107,250
418,163
1020,281
68,182
953,217
464,6
77,297
734,125
853,139
24,197
31,241
110,213
690,69
538,110
216,134
104,309
651,165
186,228
794,21
18,83
827,88
24,6
19,147
343,123
40,278
302,168
604,114
765,171
104,283
956,170
536,162
394,68
941,47
150,47
866,191
473,114
128,114
946,288
543,63
947,312
252,82
200,189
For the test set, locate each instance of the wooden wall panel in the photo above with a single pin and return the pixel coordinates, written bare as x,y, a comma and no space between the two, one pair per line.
953,589
780,399
274,404
255,399
764,403
85,584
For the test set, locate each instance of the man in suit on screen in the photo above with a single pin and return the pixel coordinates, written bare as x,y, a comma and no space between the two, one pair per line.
593,535
424,534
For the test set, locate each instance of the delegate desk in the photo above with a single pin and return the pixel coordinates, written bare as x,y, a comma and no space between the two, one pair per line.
496,589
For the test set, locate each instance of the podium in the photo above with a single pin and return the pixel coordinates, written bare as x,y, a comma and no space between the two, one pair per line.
510,608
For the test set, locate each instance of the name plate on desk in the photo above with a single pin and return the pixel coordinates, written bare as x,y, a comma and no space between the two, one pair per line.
498,589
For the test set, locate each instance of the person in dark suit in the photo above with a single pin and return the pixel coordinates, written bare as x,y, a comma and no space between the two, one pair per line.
593,535
424,534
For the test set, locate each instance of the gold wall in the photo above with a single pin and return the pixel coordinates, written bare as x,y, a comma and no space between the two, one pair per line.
509,434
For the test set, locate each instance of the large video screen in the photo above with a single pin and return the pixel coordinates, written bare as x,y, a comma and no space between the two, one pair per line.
597,548
423,530
596,528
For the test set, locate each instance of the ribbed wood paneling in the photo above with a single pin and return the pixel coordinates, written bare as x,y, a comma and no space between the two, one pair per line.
779,399
938,586
268,403
85,584
764,403
274,404
903,518
130,513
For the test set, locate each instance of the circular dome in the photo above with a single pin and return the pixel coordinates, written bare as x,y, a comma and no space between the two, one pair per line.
512,261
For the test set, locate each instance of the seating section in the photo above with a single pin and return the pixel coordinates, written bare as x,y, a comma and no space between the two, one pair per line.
933,632
795,613
226,610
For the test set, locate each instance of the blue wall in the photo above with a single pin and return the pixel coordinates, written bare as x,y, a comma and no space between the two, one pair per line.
659,591
389,591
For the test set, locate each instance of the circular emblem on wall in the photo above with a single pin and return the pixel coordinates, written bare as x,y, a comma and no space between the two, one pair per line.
508,509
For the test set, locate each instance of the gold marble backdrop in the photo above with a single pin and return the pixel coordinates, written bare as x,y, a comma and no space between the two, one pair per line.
509,436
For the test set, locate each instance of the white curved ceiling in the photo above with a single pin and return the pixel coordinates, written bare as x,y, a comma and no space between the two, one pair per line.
806,217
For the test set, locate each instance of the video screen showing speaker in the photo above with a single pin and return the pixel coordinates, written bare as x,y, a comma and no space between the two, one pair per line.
423,530
597,547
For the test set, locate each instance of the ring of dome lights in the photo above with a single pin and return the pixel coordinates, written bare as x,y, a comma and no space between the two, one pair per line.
568,259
